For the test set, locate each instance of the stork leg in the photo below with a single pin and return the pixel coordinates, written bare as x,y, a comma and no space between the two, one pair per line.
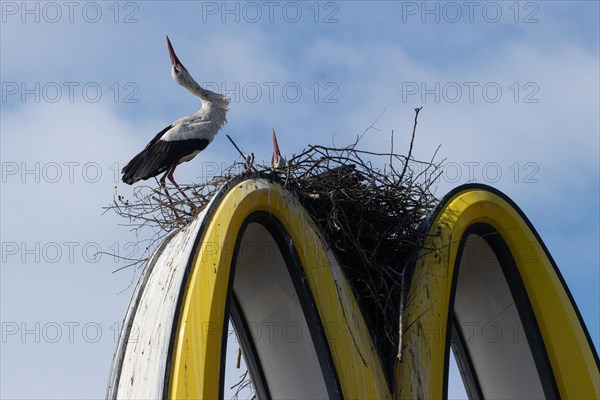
164,186
170,176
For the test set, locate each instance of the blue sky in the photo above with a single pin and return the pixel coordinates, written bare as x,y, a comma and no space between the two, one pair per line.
510,91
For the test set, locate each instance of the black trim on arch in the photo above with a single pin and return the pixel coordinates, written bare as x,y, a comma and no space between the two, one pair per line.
521,299
245,337
465,363
300,282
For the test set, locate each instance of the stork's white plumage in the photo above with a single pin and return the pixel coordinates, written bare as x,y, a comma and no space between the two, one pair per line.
183,139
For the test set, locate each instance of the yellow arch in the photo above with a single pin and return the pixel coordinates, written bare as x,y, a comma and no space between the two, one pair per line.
422,371
196,360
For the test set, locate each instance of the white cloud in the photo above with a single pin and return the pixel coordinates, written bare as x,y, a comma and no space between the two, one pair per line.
53,283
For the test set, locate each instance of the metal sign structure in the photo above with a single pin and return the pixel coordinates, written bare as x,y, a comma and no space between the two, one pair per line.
482,283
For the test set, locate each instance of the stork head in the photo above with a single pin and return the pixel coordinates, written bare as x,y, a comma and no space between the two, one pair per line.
278,161
178,71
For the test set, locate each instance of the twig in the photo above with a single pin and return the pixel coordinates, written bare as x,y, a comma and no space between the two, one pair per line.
241,152
412,140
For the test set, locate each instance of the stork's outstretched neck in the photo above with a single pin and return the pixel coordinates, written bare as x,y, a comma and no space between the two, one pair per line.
214,105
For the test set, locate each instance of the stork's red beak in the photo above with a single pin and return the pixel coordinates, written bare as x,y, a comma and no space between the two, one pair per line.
275,145
174,59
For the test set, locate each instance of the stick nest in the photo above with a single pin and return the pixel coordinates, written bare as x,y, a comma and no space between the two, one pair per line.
369,205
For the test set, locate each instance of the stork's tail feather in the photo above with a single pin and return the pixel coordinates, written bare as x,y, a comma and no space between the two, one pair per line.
140,169
153,160
129,171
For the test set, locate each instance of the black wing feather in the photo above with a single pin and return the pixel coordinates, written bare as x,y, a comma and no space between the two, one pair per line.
158,136
158,155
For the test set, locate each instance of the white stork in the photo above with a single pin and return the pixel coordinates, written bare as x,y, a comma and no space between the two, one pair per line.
277,161
183,139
